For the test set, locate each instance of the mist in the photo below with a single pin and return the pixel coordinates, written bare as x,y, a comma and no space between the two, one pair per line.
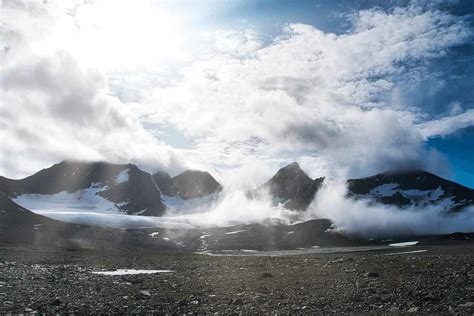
229,208
374,220
362,217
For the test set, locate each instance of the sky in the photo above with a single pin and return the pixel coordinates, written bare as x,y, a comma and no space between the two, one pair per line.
238,87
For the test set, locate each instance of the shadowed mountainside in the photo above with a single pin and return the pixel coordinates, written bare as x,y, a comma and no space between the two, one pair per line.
291,187
417,187
188,185
129,188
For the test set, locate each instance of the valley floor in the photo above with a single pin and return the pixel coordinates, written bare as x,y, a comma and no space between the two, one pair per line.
438,280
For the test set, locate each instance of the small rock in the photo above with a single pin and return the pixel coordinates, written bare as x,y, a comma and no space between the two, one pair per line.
267,275
413,309
145,293
237,301
467,304
371,274
56,302
374,298
429,297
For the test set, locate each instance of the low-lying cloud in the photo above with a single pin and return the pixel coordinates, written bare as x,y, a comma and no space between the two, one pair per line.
374,220
360,218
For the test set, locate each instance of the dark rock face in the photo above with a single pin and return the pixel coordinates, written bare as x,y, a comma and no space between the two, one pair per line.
291,187
418,187
187,185
164,182
126,185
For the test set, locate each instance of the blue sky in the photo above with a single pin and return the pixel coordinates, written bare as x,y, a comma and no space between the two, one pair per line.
346,88
449,79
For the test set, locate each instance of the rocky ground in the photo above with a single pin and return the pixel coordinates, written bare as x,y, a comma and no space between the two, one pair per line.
438,280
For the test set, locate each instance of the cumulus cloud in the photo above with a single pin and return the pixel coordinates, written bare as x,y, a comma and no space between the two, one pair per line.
54,108
310,93
327,100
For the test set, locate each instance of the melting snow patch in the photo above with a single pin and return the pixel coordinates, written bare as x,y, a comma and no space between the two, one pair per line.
122,176
154,234
387,189
235,232
405,252
404,244
131,271
166,239
140,212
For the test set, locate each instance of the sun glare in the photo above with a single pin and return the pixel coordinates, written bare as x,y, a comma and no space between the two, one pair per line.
111,34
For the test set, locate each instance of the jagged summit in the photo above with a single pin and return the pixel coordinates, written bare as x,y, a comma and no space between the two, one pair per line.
188,185
292,187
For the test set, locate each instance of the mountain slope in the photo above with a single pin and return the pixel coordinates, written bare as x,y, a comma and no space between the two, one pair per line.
291,187
111,187
190,184
417,187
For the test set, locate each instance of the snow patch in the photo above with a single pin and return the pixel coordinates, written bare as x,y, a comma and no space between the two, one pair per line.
405,252
387,189
154,234
235,232
140,212
404,244
122,176
130,271
85,200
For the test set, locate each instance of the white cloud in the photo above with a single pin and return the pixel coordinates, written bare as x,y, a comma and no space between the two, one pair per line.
310,93
374,220
448,124
54,108
326,100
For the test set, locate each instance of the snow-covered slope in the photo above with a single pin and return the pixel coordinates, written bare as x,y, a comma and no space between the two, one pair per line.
418,188
87,187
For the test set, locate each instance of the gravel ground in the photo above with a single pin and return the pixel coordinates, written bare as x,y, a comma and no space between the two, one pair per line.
439,280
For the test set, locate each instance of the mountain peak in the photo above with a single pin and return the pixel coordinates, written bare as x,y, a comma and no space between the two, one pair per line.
189,184
412,187
292,187
292,166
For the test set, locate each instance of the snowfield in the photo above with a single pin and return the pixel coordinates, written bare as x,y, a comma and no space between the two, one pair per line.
82,201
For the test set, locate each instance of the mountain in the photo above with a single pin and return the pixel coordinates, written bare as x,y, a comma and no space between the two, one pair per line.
97,186
290,186
20,226
416,187
190,184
